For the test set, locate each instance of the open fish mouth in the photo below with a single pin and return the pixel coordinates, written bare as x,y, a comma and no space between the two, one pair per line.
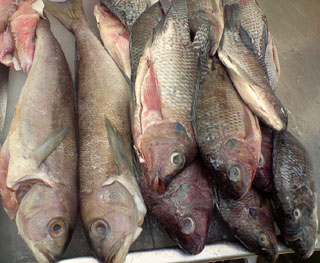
116,252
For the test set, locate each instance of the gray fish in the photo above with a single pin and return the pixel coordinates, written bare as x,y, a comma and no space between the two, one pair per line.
294,198
38,160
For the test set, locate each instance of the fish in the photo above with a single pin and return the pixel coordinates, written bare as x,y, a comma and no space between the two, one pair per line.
140,33
38,159
7,8
227,133
115,37
6,47
127,10
263,177
161,108
247,74
293,195
250,220
185,208
256,36
109,192
209,13
23,24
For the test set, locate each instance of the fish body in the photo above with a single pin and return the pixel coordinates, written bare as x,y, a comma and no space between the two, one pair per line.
115,37
250,220
163,92
247,74
38,160
228,134
185,208
6,47
7,8
263,176
294,197
109,192
209,12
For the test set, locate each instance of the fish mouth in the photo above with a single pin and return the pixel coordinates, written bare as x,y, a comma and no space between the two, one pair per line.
42,254
114,253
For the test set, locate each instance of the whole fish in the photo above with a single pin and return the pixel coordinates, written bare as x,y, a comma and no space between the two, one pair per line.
263,176
210,13
294,198
109,192
247,74
161,120
227,133
127,10
140,33
185,208
115,37
250,220
38,160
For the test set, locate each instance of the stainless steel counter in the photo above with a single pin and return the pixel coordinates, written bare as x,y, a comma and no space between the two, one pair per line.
295,25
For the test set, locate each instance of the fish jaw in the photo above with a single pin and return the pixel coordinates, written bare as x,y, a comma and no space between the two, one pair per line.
41,210
115,37
23,27
166,149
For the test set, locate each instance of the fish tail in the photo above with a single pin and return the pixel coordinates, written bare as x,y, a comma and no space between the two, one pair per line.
67,12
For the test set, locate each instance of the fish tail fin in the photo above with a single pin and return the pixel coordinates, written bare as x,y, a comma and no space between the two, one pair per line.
66,12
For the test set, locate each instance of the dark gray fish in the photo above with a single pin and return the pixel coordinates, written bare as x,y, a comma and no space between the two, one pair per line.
250,220
294,198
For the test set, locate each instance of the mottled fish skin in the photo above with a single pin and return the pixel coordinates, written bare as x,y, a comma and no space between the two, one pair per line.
127,10
263,177
163,92
39,157
254,33
250,220
109,192
209,12
115,37
140,33
227,133
294,198
185,208
247,74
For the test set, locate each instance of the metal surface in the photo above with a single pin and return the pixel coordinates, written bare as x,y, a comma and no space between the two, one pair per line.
295,25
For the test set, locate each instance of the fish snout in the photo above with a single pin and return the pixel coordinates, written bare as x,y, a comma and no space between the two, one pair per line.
43,254
116,254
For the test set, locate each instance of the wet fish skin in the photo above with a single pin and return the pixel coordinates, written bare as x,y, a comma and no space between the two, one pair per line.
294,197
185,208
115,37
227,133
250,220
109,192
38,163
247,74
207,12
263,176
163,92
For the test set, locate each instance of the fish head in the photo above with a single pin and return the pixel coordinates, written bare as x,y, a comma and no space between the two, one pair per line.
45,220
111,222
187,207
166,149
263,238
241,161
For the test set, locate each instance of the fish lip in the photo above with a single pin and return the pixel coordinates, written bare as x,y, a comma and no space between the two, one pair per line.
113,251
45,252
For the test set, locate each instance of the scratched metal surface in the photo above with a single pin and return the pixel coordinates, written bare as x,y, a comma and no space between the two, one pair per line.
295,25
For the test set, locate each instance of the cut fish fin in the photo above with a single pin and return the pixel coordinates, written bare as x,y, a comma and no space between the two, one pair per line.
246,39
264,40
232,16
152,99
15,118
118,152
45,149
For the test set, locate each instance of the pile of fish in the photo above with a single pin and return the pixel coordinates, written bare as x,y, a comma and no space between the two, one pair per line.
176,111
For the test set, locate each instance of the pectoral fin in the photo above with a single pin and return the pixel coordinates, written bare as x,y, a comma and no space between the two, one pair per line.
45,148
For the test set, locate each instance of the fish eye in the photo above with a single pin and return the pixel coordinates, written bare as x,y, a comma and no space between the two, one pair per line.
263,239
297,213
234,173
261,161
188,225
57,228
99,229
177,159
